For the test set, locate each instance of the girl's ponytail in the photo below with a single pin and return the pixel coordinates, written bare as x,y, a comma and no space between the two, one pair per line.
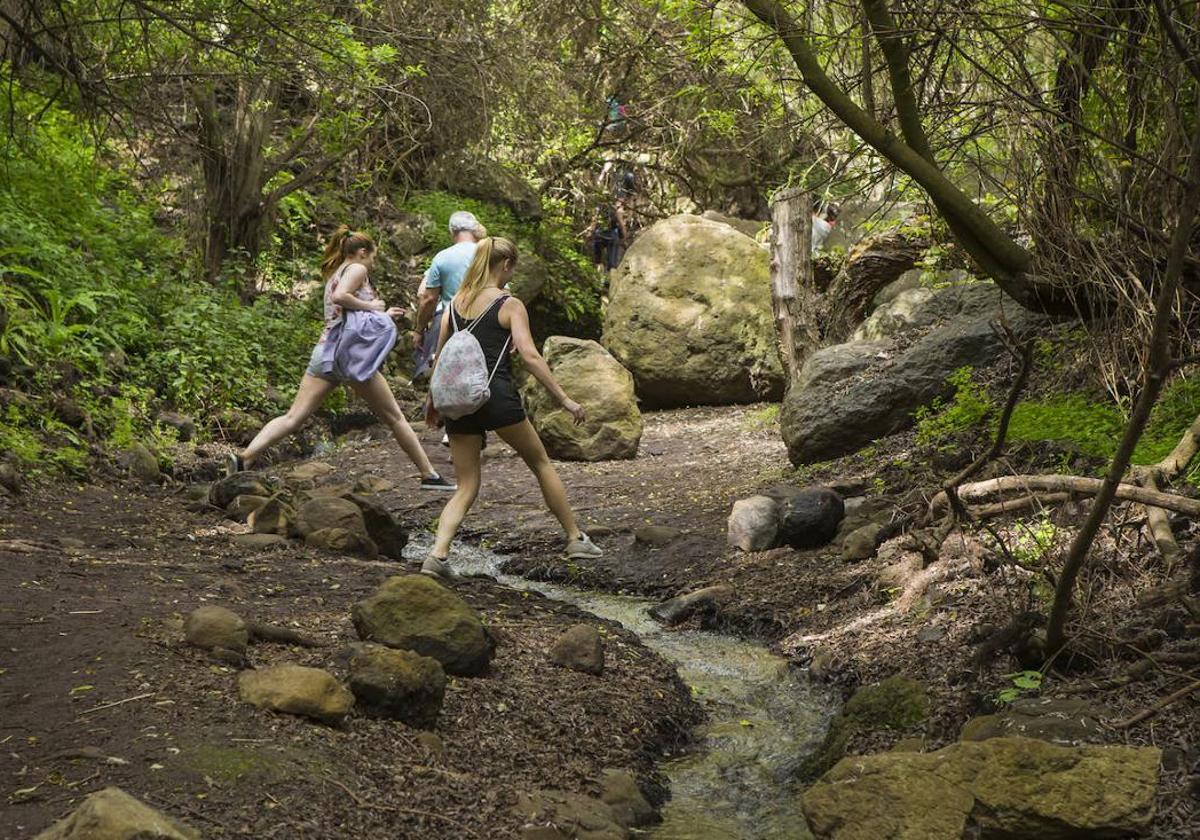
342,243
489,254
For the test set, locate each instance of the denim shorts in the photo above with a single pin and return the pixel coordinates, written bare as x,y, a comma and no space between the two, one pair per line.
314,365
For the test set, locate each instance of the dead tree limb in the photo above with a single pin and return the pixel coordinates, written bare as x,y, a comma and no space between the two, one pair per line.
1071,484
1146,714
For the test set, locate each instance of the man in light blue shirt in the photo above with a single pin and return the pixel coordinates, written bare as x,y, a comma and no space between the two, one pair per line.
442,279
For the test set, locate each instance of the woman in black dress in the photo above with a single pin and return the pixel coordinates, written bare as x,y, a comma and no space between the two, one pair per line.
502,318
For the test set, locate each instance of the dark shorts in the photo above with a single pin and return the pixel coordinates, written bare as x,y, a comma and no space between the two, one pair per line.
503,409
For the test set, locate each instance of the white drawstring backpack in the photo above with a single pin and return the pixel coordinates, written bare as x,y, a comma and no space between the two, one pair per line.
461,383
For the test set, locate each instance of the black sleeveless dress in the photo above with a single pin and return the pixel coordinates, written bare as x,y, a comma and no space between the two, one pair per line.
504,408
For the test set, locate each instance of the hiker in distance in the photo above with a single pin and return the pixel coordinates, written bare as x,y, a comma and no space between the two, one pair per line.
359,333
472,392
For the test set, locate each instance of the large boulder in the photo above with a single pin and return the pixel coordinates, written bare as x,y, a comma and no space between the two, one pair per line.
751,227
297,690
832,419
416,613
839,362
999,788
921,307
398,684
475,177
598,382
112,814
689,315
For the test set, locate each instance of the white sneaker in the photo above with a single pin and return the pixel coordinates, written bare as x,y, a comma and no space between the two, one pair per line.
446,439
436,568
583,547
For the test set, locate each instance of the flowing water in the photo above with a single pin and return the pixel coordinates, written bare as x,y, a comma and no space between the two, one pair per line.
762,718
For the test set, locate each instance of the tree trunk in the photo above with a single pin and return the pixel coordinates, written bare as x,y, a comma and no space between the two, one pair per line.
793,294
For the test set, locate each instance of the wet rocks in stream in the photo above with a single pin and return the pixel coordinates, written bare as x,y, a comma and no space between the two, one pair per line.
416,613
112,814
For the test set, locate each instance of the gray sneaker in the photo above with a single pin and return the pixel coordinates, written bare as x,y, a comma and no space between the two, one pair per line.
583,547
438,569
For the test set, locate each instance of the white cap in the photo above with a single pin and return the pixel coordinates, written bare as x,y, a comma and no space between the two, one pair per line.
461,220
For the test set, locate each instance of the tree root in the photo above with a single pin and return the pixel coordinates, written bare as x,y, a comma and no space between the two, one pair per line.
1039,485
261,632
1146,714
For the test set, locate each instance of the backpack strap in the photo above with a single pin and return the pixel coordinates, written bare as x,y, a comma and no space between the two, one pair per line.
481,314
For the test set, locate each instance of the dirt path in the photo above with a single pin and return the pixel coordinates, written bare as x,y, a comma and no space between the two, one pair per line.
97,688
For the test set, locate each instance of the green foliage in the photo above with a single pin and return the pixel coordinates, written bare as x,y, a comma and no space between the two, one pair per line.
572,286
1023,682
1091,427
942,420
96,304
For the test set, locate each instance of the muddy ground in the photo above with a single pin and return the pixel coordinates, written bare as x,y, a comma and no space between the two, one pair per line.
144,559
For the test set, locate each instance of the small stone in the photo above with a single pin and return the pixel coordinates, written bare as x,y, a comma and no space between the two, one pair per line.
398,684
383,527
432,744
241,507
275,516
197,492
861,543
112,814
370,484
180,423
224,491
258,542
343,541
310,692
580,649
216,627
754,524
656,536
10,478
310,473
142,464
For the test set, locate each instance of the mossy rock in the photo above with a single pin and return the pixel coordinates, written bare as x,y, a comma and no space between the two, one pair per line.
895,703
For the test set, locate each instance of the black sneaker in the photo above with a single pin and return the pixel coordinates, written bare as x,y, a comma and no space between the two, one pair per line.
234,464
436,482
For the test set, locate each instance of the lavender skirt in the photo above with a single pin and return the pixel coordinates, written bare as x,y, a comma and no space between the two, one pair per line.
355,348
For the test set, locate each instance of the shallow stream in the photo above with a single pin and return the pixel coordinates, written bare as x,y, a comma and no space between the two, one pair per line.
763,717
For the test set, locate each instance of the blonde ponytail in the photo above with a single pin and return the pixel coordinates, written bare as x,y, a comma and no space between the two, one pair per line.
342,243
490,254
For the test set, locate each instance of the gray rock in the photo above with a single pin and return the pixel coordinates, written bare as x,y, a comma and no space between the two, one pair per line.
839,362
754,524
921,307
1057,720
907,281
112,814
809,518
216,627
824,421
397,684
580,649
619,791
750,227
274,516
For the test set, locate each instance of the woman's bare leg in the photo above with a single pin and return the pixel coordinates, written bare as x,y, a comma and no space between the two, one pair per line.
382,402
312,392
528,445
464,450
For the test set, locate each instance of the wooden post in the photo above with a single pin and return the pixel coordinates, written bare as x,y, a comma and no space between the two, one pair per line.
793,296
